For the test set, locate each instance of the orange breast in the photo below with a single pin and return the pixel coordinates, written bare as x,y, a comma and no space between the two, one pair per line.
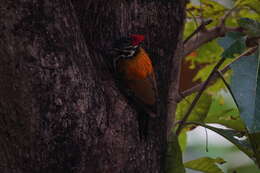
138,75
138,67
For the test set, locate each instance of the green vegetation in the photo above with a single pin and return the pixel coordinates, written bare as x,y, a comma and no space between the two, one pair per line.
229,76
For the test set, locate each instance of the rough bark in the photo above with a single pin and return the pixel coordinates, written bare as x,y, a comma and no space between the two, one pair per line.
60,110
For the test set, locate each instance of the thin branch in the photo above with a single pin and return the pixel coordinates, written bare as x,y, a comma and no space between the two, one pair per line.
215,76
204,36
228,87
199,28
196,99
207,36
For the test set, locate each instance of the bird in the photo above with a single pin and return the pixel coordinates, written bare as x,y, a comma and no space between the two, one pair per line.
134,69
133,66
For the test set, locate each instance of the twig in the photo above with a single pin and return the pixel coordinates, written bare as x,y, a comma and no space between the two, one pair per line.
196,99
204,36
199,28
228,87
207,36
215,76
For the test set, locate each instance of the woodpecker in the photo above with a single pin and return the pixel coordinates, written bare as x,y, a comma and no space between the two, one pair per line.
134,67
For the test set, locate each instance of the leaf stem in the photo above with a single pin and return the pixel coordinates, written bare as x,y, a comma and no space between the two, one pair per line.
199,28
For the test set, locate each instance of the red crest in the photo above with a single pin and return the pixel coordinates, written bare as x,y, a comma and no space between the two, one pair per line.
137,39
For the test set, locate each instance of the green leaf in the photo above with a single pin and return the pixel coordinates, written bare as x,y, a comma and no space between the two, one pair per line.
201,110
212,9
183,140
245,84
204,72
213,5
205,164
233,43
251,26
209,9
253,5
246,13
208,53
234,137
174,161
224,111
189,28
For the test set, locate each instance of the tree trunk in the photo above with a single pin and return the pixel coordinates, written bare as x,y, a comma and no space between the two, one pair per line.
60,110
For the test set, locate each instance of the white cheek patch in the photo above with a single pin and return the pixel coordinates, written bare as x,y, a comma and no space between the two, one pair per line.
131,53
131,47
125,53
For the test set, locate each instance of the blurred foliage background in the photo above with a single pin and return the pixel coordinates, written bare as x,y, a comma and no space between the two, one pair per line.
204,150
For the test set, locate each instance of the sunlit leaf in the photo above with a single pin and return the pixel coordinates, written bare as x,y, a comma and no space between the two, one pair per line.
213,4
208,53
213,9
244,12
224,111
204,72
183,140
190,26
200,111
254,5
209,9
205,164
